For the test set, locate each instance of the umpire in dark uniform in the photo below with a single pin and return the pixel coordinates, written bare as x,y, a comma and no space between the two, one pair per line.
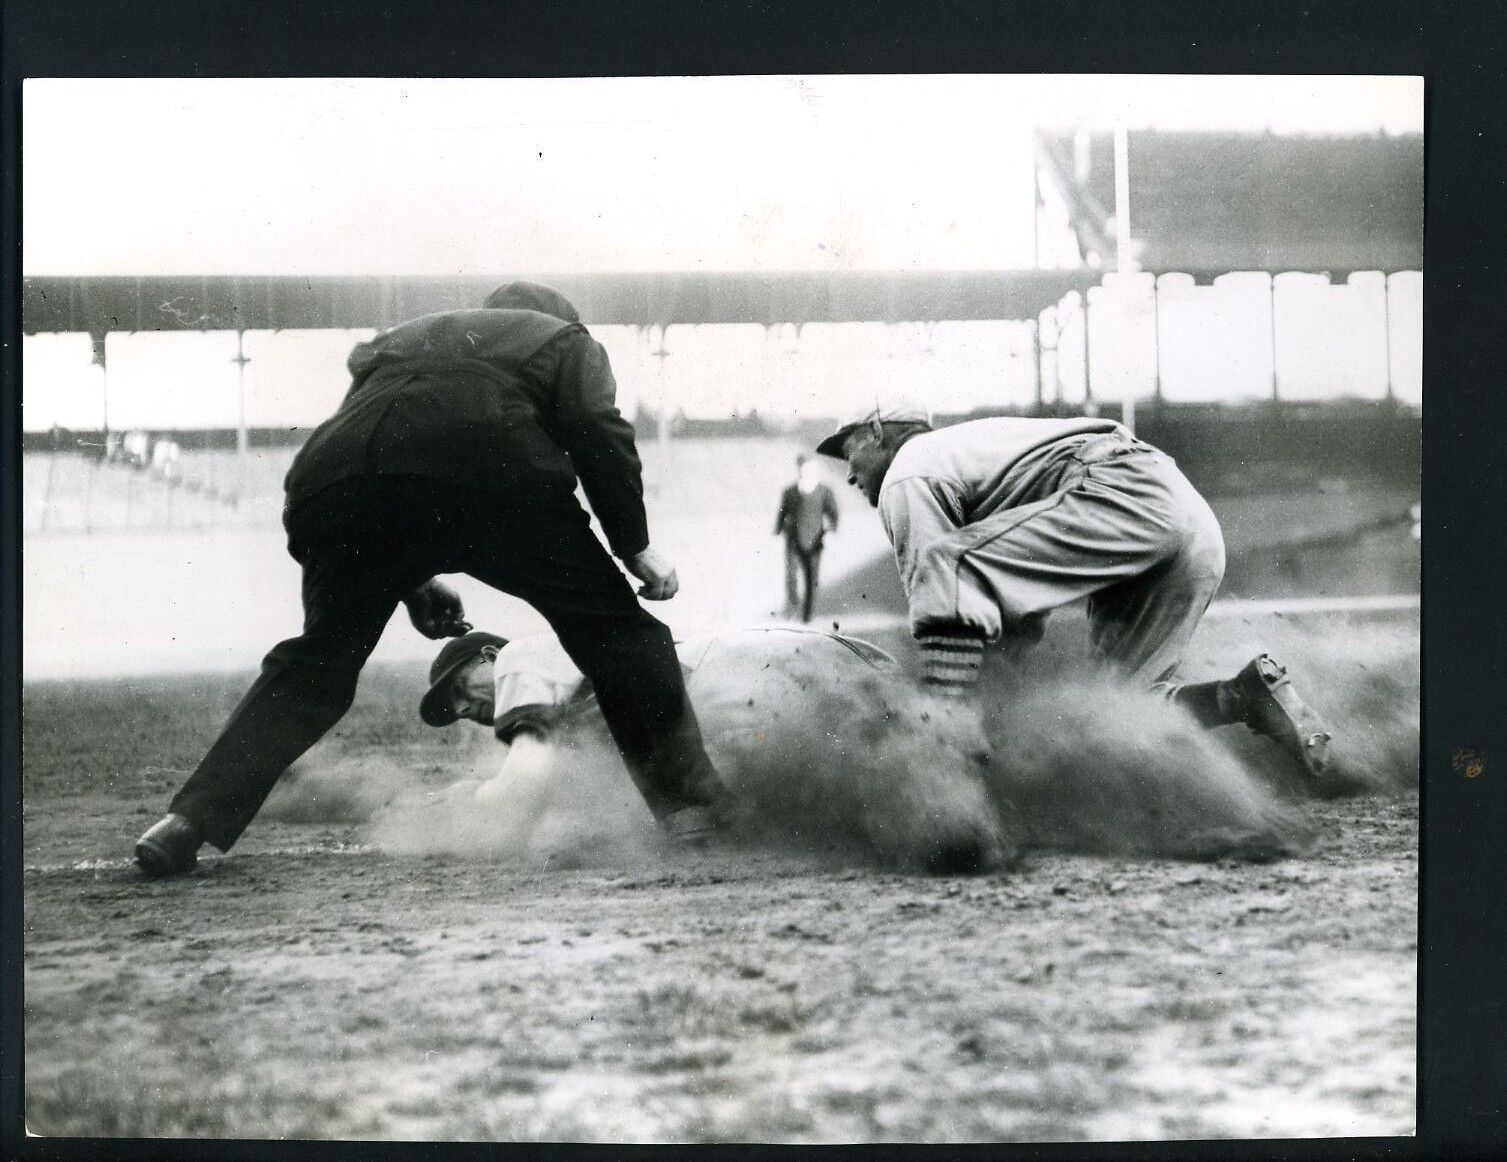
457,450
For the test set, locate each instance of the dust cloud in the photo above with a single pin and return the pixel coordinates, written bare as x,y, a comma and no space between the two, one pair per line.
1079,763
1051,756
337,788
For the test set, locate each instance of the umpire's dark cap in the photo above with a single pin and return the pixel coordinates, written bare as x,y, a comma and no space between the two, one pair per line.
532,296
435,709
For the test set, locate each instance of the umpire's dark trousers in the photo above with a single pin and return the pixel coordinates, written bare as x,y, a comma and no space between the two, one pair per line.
366,542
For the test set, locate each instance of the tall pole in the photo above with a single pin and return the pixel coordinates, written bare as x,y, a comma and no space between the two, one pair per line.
1035,213
1036,363
1386,317
97,343
1124,259
1276,394
97,356
1156,340
242,443
1057,329
1090,405
660,353
1048,319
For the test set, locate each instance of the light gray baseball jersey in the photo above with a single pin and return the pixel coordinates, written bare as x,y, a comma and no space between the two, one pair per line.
996,522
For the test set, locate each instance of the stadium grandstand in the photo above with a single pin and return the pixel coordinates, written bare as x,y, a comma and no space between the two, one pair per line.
1268,333
1208,203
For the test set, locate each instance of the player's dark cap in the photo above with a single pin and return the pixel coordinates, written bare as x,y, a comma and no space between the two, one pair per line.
435,709
532,296
896,412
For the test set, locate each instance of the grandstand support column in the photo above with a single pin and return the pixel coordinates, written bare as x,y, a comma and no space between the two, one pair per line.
52,464
1036,363
1035,210
1156,339
1048,332
1386,321
1090,404
1276,393
657,349
1124,260
97,357
242,443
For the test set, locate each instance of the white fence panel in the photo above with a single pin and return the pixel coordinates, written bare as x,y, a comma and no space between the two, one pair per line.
60,385
161,380
1122,337
1070,377
1331,340
1215,341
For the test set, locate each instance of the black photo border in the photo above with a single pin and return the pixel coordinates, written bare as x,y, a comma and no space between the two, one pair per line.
1458,48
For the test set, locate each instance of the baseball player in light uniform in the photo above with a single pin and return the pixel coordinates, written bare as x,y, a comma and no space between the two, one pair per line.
529,690
997,522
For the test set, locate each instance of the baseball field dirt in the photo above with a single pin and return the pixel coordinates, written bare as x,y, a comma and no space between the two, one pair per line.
363,966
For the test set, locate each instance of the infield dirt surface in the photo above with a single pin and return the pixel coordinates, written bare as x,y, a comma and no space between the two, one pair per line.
324,981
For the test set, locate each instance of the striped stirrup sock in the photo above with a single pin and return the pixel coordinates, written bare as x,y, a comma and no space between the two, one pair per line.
951,660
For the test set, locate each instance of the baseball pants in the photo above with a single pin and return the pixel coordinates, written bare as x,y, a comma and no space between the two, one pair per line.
365,543
1123,527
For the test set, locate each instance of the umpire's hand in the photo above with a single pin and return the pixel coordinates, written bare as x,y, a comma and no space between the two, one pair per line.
436,611
656,573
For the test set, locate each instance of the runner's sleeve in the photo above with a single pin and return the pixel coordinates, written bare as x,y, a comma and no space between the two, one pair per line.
916,513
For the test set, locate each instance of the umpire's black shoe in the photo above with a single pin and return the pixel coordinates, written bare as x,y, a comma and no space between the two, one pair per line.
1263,697
170,847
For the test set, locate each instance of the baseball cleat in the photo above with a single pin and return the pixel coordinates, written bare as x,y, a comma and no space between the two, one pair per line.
1263,697
170,847
690,827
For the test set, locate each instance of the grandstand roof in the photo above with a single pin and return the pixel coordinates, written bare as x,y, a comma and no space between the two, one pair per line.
266,302
1228,201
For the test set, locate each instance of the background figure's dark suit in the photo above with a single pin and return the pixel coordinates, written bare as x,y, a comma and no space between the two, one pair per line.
457,450
804,518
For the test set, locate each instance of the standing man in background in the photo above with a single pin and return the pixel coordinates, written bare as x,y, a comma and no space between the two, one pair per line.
808,511
457,450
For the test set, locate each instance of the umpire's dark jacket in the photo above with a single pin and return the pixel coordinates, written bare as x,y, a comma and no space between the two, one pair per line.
486,400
